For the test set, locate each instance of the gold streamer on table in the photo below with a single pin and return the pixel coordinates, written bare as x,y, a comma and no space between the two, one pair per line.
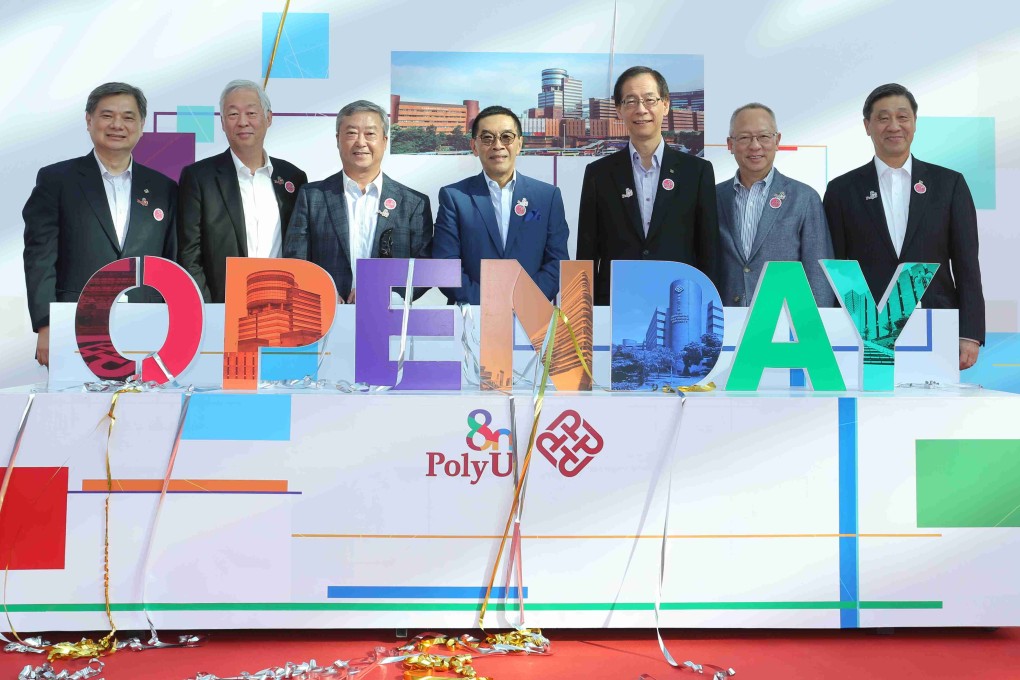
522,479
276,44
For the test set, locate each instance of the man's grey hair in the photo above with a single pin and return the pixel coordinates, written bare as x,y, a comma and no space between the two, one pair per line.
235,85
112,89
753,105
364,106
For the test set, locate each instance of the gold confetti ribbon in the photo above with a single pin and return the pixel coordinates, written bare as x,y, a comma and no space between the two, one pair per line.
276,44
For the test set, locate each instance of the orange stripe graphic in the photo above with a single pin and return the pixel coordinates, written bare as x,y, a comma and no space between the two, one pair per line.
207,485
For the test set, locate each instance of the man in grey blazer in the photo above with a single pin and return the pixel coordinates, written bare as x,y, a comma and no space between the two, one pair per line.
764,215
359,212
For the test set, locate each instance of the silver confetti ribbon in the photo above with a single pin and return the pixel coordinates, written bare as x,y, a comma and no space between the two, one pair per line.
45,672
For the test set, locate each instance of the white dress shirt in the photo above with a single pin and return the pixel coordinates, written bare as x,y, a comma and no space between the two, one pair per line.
118,195
502,199
646,182
262,224
362,215
894,184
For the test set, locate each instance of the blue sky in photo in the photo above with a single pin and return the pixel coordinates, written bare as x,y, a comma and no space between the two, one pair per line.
514,79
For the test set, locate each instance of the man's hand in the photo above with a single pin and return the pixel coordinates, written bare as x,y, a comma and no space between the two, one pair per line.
350,298
42,347
968,353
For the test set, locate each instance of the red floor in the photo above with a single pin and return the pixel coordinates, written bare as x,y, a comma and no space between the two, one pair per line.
597,654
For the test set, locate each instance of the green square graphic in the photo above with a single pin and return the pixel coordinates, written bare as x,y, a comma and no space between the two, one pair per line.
197,119
968,483
966,145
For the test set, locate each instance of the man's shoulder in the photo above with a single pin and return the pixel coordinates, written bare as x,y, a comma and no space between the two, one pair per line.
923,167
206,165
671,155
798,190
62,169
398,187
851,177
537,185
283,168
462,186
152,176
334,181
606,163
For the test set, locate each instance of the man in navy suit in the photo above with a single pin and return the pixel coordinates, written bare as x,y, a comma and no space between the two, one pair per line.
500,214
897,208
647,201
87,212
237,203
360,212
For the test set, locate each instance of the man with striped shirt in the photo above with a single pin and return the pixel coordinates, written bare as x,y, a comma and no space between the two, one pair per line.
764,215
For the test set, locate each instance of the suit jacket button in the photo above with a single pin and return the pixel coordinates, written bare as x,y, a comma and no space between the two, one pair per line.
747,270
644,252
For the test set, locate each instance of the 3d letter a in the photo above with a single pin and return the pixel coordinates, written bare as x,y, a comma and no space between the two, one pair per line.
784,284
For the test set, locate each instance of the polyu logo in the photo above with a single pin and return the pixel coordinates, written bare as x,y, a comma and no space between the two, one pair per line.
481,439
569,443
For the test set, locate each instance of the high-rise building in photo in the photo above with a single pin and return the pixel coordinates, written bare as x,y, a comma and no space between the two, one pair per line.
691,99
560,90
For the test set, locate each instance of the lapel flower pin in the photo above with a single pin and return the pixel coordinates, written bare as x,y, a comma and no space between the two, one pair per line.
384,212
143,202
145,191
871,196
628,193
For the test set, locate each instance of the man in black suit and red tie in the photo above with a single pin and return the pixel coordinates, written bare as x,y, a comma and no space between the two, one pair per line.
897,208
238,203
647,201
87,212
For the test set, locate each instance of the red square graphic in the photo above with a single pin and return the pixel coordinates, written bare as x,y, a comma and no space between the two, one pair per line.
33,519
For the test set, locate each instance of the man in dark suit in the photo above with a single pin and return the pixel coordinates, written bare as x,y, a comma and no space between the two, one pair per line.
500,213
647,201
359,212
765,216
87,212
238,203
897,208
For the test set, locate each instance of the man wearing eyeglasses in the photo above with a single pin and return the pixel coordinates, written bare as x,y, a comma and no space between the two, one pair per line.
360,212
646,201
500,213
897,208
764,215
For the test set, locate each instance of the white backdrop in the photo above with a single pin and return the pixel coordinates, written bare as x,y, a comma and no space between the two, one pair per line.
812,61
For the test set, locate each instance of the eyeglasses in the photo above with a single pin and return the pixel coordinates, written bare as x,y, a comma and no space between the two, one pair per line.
505,138
632,102
764,139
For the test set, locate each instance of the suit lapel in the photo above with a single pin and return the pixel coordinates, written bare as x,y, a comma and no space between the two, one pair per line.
280,190
226,180
513,229
483,204
668,170
92,187
386,218
867,185
140,215
728,228
336,208
918,202
623,174
769,215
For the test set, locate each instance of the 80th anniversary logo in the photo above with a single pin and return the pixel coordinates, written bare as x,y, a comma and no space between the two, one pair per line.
569,443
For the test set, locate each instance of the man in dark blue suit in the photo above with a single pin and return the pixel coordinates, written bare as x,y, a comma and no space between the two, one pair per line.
500,214
360,212
87,212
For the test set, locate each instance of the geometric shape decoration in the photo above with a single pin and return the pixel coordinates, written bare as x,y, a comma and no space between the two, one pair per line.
878,337
999,368
184,308
33,520
849,576
964,144
166,152
667,325
285,363
187,485
198,120
303,51
968,483
92,319
238,417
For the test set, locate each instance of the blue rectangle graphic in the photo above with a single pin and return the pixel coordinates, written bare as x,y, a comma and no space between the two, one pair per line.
238,417
849,579
419,592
